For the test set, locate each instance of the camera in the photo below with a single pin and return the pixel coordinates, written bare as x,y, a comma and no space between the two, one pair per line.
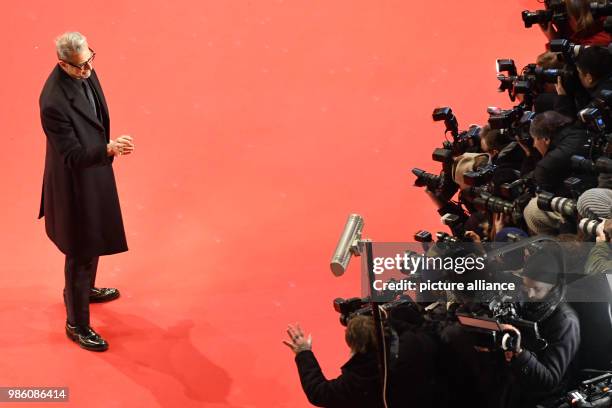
601,9
555,12
597,115
575,186
482,175
423,236
533,79
425,179
601,165
595,392
450,121
446,238
568,50
589,226
561,205
506,83
515,121
515,189
488,202
442,155
489,333
539,76
464,141
349,308
593,118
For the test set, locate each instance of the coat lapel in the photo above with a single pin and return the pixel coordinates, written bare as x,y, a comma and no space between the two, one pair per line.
93,80
77,98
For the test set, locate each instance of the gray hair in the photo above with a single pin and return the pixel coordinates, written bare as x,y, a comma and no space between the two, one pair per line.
70,43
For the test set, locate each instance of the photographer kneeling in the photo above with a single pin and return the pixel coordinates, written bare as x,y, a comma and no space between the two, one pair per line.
538,374
555,140
527,370
359,384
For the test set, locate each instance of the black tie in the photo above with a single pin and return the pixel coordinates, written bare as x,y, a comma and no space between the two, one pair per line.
90,96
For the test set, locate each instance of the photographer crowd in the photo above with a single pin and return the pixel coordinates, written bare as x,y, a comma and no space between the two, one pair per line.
537,177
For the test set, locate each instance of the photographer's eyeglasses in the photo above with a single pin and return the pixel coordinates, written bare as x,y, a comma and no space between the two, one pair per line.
84,64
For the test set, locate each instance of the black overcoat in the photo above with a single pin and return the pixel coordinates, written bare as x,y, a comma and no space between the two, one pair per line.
79,195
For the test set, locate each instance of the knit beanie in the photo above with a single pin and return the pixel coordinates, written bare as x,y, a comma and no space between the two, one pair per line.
595,202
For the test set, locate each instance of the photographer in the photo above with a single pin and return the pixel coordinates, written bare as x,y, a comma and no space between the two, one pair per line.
546,97
538,374
504,152
581,27
524,371
359,383
594,69
555,140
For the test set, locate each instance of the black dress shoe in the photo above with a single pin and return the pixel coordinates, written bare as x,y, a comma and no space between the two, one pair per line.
98,295
86,337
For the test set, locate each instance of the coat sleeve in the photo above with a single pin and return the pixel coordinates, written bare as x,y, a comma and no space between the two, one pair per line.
545,371
61,134
320,391
548,172
599,259
552,169
565,105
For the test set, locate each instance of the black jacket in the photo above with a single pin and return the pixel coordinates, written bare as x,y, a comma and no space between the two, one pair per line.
357,386
570,105
555,166
511,156
413,378
480,379
79,196
540,375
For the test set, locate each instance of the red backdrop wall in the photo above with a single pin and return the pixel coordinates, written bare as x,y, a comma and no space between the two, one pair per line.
259,125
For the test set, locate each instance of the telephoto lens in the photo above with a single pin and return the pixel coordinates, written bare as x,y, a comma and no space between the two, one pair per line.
425,179
561,205
488,202
589,226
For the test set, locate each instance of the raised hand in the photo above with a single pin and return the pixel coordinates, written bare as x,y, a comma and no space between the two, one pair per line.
298,342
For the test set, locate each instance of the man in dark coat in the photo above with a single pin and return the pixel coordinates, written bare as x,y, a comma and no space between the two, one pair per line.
359,385
79,196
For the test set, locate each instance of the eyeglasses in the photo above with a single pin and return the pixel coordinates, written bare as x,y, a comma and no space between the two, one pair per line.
84,64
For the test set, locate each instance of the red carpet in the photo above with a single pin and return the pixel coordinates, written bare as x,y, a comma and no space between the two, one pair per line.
259,126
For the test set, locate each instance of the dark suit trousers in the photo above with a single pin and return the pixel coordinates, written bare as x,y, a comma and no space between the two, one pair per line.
80,274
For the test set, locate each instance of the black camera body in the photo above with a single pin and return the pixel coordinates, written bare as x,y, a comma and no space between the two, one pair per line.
481,176
429,180
592,393
506,119
349,308
489,202
561,205
515,121
601,165
555,13
601,8
488,328
519,187
463,141
598,115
